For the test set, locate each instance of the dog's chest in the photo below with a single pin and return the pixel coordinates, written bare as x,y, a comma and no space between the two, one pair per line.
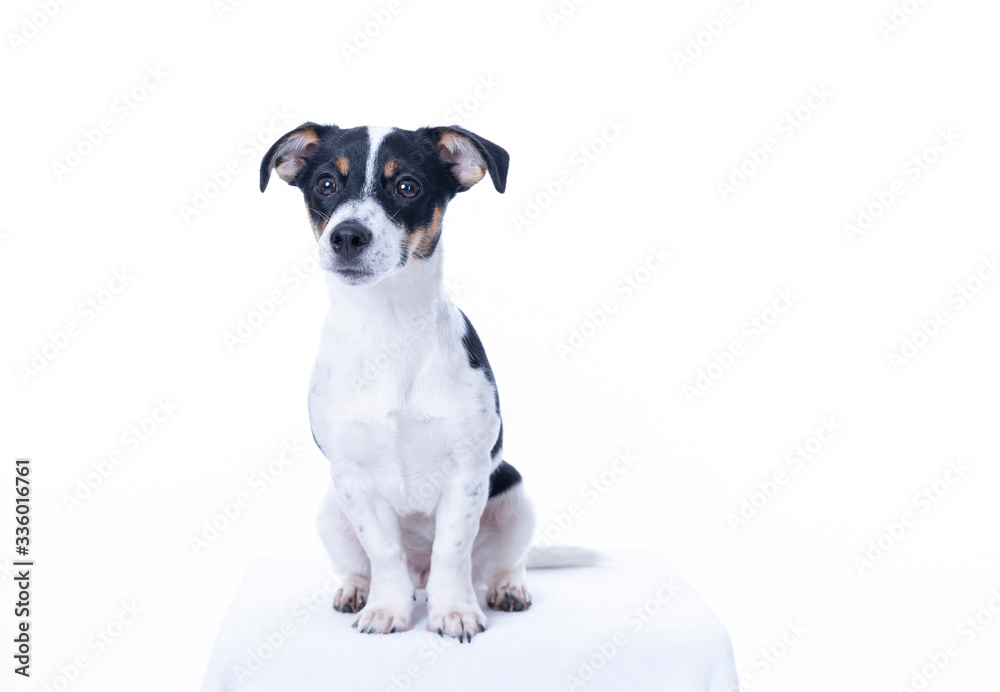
395,410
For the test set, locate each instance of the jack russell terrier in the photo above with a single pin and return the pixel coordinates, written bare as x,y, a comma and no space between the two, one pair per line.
402,399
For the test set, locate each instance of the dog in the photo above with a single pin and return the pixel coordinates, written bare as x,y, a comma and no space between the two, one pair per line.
402,399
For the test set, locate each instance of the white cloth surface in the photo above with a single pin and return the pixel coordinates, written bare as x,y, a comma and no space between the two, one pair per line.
632,623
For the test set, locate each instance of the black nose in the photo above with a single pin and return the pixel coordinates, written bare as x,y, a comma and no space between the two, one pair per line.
349,239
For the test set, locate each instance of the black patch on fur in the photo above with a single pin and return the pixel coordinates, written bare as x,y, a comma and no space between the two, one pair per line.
334,143
503,478
477,359
417,159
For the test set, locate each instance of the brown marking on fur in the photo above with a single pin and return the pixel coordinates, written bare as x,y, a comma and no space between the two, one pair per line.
293,152
449,141
421,241
472,176
317,227
391,168
467,164
342,165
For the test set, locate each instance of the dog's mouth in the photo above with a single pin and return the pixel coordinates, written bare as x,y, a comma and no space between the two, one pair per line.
351,272
354,276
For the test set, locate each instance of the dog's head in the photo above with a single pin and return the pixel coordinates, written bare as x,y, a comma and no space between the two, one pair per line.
376,196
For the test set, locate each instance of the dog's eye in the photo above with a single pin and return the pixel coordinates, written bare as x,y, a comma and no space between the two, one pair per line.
326,185
407,187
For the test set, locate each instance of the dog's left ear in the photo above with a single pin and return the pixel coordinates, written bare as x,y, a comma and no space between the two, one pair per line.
470,157
289,154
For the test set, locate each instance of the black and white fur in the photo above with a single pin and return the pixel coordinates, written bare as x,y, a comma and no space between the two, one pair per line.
402,399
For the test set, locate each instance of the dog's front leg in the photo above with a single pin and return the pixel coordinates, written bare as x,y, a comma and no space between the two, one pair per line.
452,608
390,596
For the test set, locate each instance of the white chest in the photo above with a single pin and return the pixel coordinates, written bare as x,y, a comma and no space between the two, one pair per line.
395,405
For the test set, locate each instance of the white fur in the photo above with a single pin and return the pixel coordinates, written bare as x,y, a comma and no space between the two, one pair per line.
375,137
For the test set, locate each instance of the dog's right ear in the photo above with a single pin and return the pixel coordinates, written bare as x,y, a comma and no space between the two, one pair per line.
289,154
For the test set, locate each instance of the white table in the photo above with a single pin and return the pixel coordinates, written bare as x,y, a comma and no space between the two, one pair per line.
632,624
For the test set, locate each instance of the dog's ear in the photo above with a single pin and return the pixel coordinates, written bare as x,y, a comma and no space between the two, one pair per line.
470,157
289,154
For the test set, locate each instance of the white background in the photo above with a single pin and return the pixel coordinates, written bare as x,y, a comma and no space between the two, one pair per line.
223,75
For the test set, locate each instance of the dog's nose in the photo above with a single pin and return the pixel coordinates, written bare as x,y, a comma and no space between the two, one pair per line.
349,239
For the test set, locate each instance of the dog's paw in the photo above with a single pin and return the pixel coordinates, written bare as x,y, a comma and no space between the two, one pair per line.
351,598
508,595
461,620
381,619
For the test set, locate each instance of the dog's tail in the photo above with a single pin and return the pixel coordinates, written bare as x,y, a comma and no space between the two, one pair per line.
540,557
